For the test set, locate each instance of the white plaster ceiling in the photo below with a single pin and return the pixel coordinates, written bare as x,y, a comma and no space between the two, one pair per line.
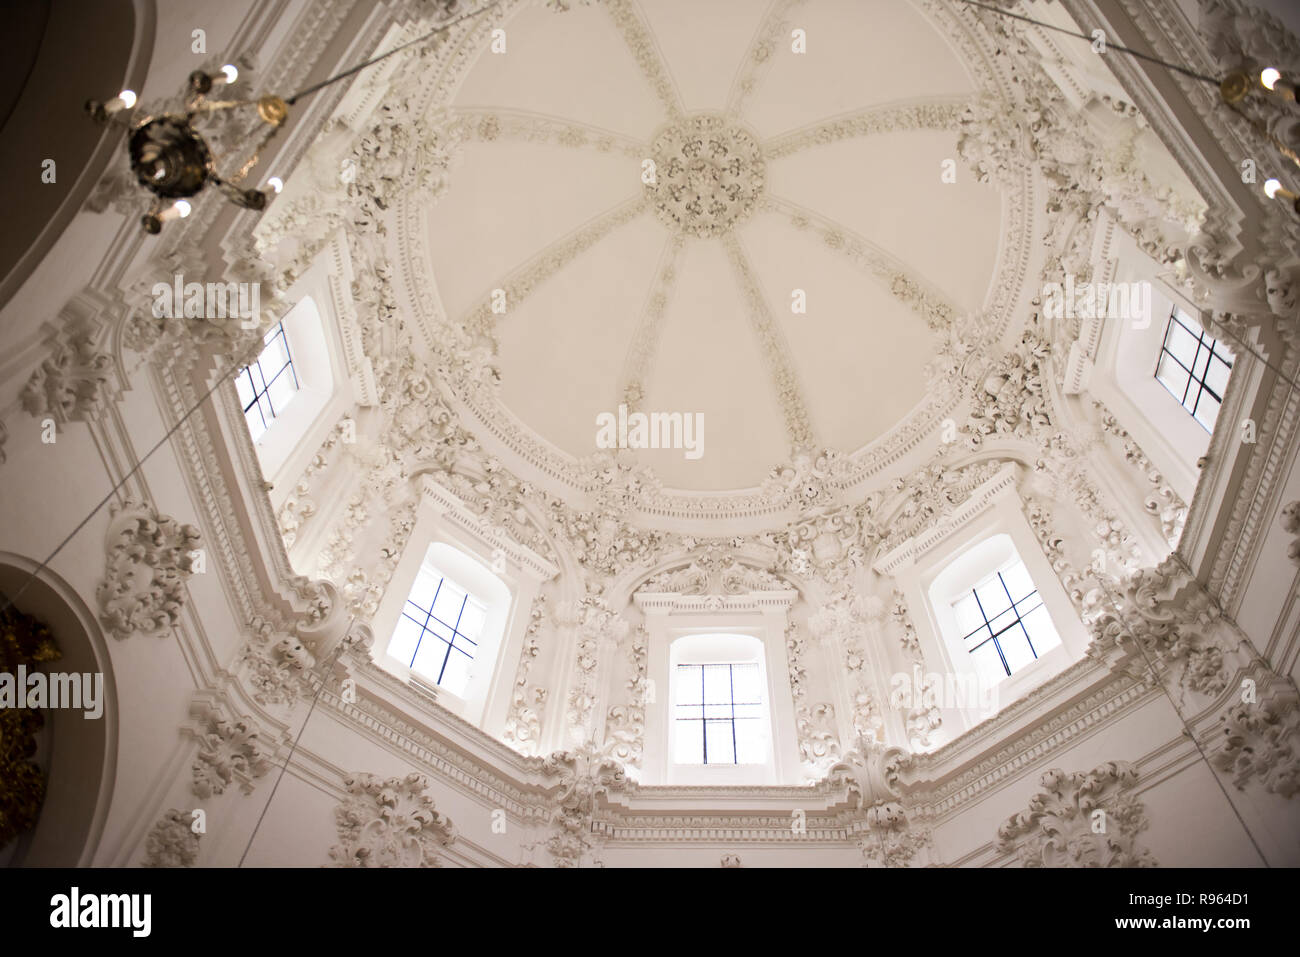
568,349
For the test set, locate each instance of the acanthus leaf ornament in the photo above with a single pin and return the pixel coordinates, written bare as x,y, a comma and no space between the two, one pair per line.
1080,820
390,822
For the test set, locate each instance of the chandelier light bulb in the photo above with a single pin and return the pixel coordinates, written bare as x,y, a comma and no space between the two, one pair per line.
182,208
1269,77
128,98
1271,187
230,72
275,183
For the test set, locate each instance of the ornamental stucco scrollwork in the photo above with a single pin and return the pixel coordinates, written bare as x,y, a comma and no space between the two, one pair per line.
150,556
230,752
1290,521
625,723
523,728
586,774
390,822
1260,742
1080,820
887,837
69,385
1174,623
172,841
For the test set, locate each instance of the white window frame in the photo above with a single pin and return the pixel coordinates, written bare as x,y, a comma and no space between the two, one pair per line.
333,373
478,555
759,615
1121,372
716,648
993,509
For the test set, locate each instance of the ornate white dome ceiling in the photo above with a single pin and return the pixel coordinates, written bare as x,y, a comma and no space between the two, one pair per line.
774,171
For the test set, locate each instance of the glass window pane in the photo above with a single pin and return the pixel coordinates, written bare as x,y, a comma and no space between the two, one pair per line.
717,684
689,688
244,388
471,620
1172,376
993,597
1015,648
1207,411
281,390
455,677
449,603
405,637
275,356
430,656
1002,621
689,744
719,747
751,748
1202,359
1181,343
745,683
1018,581
1039,625
987,664
1216,376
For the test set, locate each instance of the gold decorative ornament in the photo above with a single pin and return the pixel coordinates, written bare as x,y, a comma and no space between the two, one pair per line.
24,640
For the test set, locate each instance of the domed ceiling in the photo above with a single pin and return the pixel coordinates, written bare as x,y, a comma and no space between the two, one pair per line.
648,193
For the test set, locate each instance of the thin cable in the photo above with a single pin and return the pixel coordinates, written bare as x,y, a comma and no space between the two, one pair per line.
294,747
361,66
1082,36
239,364
1187,728
1293,385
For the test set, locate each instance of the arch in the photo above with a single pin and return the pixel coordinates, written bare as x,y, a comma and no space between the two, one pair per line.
82,764
111,43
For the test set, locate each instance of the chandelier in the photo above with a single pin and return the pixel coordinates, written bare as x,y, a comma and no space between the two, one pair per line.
171,158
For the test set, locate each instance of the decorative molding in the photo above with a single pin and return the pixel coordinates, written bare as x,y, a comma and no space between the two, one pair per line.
390,822
230,752
149,558
69,385
1260,741
1080,820
709,174
172,842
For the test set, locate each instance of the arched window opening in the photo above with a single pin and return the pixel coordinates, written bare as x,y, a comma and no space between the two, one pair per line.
449,631
268,384
720,703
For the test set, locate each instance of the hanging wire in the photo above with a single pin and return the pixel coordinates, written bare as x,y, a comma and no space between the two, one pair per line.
361,66
338,653
1187,727
239,363
243,360
1083,36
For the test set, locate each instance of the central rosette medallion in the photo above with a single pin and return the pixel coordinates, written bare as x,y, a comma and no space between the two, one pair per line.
708,174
